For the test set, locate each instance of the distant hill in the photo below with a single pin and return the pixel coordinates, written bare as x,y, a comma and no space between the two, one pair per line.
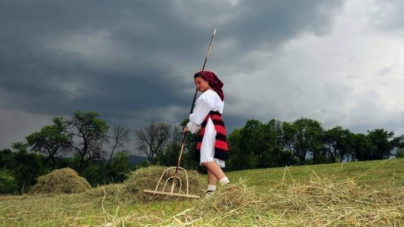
134,159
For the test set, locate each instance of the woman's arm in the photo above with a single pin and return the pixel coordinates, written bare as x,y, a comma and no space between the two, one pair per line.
202,108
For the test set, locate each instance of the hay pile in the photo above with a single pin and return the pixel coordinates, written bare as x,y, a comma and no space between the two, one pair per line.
131,191
61,181
147,178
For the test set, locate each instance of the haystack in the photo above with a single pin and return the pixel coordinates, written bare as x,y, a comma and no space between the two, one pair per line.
61,181
147,178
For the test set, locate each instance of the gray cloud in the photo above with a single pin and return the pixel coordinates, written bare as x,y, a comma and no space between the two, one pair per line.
133,61
388,15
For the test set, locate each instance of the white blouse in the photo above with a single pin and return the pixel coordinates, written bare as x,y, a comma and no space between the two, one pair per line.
207,101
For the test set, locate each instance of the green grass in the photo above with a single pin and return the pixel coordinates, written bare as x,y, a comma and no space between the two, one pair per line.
369,172
290,196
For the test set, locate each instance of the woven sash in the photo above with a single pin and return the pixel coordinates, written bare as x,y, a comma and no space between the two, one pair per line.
221,147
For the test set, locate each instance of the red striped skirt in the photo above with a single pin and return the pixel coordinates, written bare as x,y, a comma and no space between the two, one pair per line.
221,146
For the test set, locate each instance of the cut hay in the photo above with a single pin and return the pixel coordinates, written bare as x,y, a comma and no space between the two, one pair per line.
320,202
107,190
326,202
60,181
147,178
230,198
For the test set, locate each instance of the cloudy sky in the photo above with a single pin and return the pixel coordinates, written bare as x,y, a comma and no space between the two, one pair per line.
338,62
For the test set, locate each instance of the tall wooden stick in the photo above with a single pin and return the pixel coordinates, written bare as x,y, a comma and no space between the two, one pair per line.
193,102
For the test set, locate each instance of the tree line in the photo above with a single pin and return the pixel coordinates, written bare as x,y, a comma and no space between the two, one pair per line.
96,151
305,141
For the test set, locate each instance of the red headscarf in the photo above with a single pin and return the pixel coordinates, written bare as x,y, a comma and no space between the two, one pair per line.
214,82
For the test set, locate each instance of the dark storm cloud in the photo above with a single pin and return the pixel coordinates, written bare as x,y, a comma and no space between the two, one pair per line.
44,67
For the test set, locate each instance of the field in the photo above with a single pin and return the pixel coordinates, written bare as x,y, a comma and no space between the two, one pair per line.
348,194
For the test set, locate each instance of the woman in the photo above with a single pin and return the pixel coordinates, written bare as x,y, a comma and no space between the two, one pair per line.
212,149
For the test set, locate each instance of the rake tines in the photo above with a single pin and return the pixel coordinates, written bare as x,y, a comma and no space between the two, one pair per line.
173,179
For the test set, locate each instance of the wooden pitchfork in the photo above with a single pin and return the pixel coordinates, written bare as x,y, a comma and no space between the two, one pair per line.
176,180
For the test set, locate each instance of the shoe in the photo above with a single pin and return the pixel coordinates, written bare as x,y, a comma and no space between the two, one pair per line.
209,194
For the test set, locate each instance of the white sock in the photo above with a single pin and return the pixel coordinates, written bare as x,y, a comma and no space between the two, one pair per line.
211,187
224,181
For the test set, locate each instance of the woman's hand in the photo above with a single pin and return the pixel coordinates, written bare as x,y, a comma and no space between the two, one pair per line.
185,130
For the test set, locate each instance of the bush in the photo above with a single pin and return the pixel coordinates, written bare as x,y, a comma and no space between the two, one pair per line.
8,185
95,174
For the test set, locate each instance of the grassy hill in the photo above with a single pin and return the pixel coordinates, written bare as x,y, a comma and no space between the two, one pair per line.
348,194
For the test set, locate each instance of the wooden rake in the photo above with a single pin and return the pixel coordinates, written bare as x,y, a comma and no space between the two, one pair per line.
175,180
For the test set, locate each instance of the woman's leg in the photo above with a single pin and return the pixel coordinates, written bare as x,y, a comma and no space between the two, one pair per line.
212,180
214,169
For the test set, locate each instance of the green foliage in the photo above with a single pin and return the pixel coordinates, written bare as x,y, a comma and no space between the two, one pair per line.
50,141
28,167
170,154
400,153
20,169
281,137
337,143
307,138
7,159
254,138
144,163
277,143
381,146
118,168
95,174
398,142
239,158
8,184
20,146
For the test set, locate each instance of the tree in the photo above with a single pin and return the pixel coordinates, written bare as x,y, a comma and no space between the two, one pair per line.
90,132
362,147
120,135
351,140
308,134
51,140
254,139
380,139
343,144
152,140
337,144
239,158
398,142
28,166
280,137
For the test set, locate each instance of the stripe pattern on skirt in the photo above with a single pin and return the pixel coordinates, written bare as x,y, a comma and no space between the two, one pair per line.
221,146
